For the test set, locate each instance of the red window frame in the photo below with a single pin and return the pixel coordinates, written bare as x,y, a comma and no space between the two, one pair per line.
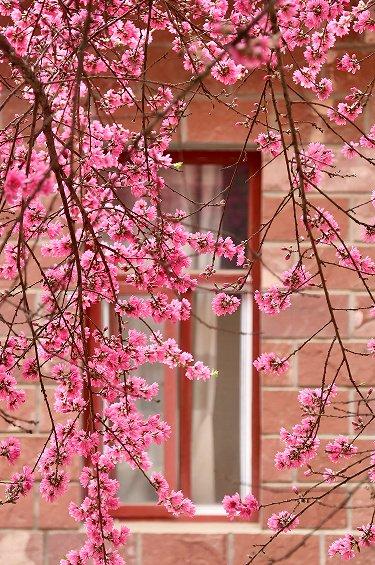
178,403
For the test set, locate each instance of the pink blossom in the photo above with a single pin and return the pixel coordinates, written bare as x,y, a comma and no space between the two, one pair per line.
296,278
198,372
20,484
53,484
315,400
282,522
224,304
329,476
348,63
273,301
323,88
226,71
371,346
367,535
301,445
349,150
343,547
235,507
13,183
368,234
271,363
340,447
326,224
270,142
172,500
113,221
10,448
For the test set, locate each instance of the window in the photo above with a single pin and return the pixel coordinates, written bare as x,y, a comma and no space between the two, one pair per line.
214,447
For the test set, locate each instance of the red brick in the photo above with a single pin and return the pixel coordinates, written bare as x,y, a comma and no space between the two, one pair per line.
338,277
326,514
365,446
275,176
273,264
283,225
54,515
165,549
166,65
44,418
364,212
216,124
363,325
21,548
275,179
322,514
306,120
312,358
305,317
58,544
279,408
12,314
362,504
356,178
269,473
129,552
31,447
302,550
343,81
19,515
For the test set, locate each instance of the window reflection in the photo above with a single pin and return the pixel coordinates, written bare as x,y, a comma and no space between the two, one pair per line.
134,488
215,449
198,190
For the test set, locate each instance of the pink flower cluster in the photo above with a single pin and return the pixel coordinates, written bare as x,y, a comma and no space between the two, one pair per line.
283,522
236,507
276,299
172,500
326,224
10,448
224,304
270,142
340,447
345,547
353,259
301,445
19,485
271,363
314,401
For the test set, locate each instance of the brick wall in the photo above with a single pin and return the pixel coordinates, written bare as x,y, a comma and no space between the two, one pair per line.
34,533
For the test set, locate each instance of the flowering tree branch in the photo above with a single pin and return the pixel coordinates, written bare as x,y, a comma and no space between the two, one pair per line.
90,195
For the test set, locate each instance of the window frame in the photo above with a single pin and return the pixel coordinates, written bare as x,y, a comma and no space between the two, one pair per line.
178,401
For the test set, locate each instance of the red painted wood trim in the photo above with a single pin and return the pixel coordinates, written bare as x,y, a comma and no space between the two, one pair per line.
255,202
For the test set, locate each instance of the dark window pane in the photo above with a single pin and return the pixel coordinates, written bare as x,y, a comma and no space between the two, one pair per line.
198,190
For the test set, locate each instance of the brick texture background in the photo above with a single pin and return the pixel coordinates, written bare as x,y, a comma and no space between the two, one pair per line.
34,533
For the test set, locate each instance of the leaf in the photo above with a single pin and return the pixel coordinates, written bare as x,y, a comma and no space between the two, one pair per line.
177,166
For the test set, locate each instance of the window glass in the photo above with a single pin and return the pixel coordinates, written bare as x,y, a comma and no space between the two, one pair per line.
198,191
134,488
216,414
